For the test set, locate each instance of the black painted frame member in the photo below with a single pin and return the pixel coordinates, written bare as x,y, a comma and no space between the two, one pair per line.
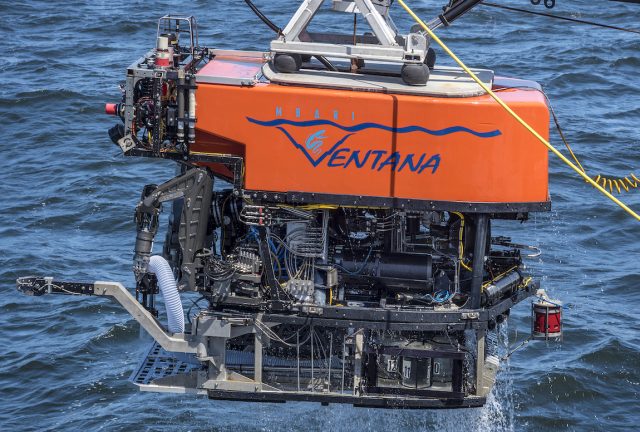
396,203
368,401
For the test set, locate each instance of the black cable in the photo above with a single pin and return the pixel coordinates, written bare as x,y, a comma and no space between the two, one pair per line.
326,63
263,17
579,21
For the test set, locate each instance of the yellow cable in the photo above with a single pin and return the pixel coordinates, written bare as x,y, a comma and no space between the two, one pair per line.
574,156
620,183
319,207
497,278
461,243
626,188
516,116
616,181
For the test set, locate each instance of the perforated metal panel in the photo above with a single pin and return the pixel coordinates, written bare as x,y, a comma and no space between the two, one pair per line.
158,363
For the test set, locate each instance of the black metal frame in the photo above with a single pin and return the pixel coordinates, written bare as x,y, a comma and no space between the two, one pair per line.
398,203
399,320
37,286
364,401
233,163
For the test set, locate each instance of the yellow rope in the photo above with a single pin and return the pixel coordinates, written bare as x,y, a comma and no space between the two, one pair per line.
516,116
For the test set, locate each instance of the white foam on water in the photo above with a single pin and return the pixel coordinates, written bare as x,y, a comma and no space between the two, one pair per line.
498,414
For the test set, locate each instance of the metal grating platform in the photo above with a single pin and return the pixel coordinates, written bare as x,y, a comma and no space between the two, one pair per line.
158,363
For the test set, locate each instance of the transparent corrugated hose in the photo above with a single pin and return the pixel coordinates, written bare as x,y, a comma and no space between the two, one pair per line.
167,285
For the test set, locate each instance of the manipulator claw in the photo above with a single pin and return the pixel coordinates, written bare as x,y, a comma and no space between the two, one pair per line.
33,285
142,253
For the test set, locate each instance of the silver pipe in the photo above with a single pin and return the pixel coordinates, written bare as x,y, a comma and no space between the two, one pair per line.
192,111
180,134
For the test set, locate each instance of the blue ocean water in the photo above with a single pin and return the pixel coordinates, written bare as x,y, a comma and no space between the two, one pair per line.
68,198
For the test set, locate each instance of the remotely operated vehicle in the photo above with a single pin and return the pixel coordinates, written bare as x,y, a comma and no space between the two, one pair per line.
332,210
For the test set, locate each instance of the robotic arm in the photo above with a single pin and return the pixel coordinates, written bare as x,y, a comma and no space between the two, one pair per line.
196,187
454,10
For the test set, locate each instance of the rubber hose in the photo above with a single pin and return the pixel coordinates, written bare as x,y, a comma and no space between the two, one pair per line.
167,285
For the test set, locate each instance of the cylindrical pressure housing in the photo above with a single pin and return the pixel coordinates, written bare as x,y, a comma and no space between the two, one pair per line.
546,320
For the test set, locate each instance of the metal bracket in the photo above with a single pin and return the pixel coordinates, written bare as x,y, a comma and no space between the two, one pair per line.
126,143
38,286
391,46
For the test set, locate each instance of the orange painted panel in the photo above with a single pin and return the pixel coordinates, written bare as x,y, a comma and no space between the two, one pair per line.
375,144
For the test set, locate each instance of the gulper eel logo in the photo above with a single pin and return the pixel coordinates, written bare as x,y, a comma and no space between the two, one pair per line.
338,155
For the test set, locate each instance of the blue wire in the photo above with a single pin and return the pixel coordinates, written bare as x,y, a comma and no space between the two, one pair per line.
439,297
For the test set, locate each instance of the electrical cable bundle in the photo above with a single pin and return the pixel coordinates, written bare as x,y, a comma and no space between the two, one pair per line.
218,270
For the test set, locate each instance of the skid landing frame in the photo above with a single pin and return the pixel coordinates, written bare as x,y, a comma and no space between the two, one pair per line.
201,361
158,366
368,401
